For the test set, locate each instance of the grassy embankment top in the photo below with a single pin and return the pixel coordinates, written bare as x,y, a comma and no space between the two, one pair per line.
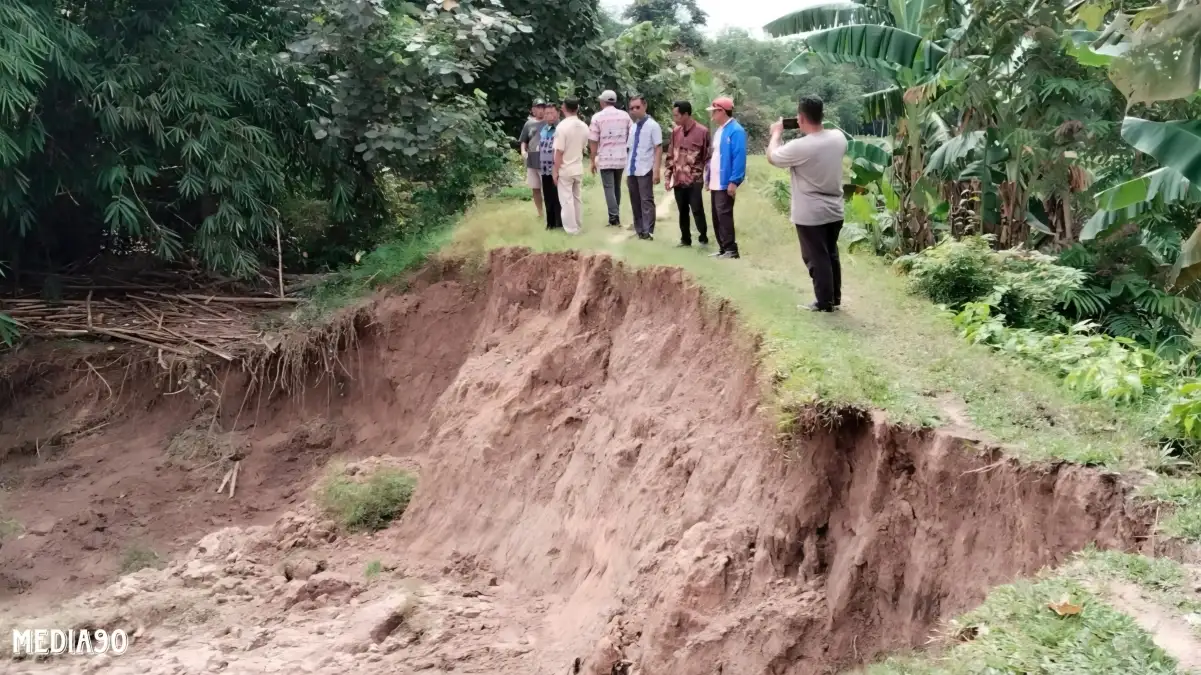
887,350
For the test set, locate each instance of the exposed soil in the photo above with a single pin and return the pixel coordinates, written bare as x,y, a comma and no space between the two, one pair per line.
598,476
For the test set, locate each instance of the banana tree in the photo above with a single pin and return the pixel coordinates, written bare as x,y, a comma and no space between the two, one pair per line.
905,41
1153,55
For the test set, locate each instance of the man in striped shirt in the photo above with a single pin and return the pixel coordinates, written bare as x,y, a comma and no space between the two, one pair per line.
608,136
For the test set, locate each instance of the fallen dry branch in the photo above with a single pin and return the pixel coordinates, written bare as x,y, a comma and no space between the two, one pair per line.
185,324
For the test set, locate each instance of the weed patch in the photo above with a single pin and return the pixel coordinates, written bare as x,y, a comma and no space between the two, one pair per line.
139,558
374,569
9,528
366,503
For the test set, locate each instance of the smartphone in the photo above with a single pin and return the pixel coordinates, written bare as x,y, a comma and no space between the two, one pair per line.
791,123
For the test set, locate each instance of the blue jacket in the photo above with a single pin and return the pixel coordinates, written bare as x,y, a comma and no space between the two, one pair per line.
733,155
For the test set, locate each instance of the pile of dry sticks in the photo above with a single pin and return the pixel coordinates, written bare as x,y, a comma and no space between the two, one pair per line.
180,323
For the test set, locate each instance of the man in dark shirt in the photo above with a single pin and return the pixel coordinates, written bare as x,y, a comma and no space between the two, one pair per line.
687,157
529,139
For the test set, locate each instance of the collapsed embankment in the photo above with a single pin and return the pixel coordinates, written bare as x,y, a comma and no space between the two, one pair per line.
591,436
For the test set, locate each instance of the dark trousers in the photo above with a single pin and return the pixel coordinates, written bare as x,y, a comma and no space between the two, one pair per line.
642,201
550,196
723,221
689,199
819,250
611,180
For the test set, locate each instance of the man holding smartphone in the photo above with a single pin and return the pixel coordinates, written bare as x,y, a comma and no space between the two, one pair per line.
815,162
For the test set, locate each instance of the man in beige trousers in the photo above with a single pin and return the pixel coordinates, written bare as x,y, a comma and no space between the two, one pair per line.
571,138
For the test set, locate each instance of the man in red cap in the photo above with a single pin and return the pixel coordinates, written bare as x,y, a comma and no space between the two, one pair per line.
725,173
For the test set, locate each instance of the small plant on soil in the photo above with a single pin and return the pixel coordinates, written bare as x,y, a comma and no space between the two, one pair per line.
366,503
9,528
200,444
139,558
374,569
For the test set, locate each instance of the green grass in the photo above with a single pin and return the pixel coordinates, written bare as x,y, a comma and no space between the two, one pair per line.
374,569
1015,631
139,558
9,528
887,350
366,503
385,265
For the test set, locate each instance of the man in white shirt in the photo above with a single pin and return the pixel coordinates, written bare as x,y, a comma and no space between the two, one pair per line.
815,162
571,138
646,154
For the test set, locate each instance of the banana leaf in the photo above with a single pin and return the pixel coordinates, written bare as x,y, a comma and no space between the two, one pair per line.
1163,62
1103,221
1165,184
881,48
1176,145
827,15
1187,270
885,104
948,155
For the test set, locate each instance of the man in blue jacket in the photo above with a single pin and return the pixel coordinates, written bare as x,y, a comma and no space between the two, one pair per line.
725,173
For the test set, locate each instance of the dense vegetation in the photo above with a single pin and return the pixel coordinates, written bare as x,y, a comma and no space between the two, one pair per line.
1040,180
1052,155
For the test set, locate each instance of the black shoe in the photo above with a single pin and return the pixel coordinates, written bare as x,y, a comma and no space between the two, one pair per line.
703,241
814,307
646,235
729,255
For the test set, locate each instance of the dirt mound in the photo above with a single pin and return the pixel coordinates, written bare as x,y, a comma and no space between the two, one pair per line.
589,440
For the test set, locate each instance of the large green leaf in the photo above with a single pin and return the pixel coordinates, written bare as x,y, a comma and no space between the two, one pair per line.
1187,270
1165,184
949,155
1176,145
1163,62
1103,221
1092,48
827,15
881,48
866,153
885,104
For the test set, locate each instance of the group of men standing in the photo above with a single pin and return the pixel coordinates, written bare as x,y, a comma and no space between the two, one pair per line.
630,144
695,162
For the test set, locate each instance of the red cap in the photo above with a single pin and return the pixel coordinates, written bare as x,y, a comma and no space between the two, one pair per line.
724,102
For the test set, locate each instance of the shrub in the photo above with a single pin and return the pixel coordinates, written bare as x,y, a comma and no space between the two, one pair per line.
953,273
779,193
367,503
1027,287
1091,364
1183,414
139,558
374,569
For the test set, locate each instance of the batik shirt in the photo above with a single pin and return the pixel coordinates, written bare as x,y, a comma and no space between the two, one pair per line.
690,152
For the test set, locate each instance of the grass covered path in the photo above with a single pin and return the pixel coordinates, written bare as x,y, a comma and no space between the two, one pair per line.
886,350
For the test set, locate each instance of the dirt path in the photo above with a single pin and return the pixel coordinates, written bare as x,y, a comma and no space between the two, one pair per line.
1170,633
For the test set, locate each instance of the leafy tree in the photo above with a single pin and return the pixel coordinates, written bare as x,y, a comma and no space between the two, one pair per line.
390,106
564,45
684,15
647,65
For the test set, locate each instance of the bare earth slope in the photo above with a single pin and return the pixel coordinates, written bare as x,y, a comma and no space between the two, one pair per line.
595,463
